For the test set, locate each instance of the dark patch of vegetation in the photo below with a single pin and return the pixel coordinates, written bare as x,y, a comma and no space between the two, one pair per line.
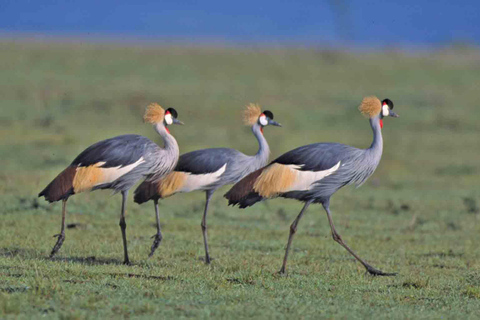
471,205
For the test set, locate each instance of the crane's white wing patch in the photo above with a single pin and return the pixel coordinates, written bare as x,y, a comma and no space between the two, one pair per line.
305,179
201,181
112,174
279,178
88,177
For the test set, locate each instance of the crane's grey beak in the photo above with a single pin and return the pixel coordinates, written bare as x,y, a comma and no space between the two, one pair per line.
274,123
393,114
175,121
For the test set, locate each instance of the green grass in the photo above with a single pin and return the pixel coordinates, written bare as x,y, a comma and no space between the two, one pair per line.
418,215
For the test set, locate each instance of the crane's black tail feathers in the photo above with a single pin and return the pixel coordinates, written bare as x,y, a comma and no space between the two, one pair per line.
146,191
250,200
61,187
242,193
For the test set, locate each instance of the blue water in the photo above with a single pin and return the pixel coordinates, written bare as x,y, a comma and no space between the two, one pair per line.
379,23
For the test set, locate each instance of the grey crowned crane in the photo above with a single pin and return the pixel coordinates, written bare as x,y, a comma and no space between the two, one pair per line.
117,163
313,173
208,170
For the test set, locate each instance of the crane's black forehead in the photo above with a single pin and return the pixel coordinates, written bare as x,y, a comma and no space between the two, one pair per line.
268,114
388,102
173,112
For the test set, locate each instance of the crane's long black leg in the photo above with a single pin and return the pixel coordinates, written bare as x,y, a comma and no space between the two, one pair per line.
123,227
293,230
338,239
158,236
204,226
61,235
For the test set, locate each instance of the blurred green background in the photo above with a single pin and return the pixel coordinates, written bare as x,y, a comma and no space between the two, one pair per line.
417,215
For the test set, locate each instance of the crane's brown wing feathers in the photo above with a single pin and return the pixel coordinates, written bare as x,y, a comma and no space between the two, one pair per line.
146,191
243,188
61,187
162,188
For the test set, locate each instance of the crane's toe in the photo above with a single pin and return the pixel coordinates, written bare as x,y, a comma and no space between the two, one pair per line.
282,272
58,245
158,238
376,272
206,259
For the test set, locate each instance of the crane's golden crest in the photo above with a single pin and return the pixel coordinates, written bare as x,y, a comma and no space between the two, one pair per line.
154,113
370,107
274,180
251,113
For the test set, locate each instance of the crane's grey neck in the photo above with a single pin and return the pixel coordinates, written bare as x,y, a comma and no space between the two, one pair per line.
377,144
170,144
263,152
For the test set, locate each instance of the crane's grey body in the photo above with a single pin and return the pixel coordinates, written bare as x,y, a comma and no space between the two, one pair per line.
312,174
237,164
356,166
124,150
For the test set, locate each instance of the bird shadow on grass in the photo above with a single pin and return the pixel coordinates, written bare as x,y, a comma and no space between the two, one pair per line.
140,276
91,261
34,254
18,252
94,261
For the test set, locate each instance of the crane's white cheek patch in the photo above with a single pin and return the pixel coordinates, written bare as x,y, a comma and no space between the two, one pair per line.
168,119
306,179
201,181
88,177
263,120
385,110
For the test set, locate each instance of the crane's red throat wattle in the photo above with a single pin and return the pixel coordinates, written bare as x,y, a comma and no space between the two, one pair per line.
381,123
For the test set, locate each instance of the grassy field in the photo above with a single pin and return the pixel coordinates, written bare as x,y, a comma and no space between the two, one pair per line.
418,215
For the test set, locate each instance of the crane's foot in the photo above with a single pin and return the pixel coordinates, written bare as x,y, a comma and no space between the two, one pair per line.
282,271
375,272
158,238
206,259
58,245
127,262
